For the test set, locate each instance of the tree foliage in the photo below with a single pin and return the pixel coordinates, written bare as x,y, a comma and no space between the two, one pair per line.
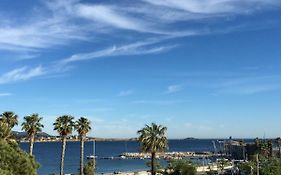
153,139
182,167
64,125
10,118
5,131
82,126
14,161
222,163
32,124
267,166
89,168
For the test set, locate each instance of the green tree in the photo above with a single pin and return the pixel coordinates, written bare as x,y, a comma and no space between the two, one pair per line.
64,126
278,142
10,118
248,167
270,166
89,168
221,164
182,167
5,131
32,125
82,126
153,139
14,161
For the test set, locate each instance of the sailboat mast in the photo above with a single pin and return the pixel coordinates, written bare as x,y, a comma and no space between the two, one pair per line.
94,148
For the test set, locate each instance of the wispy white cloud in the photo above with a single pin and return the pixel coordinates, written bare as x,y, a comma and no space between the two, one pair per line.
107,15
65,21
35,35
125,93
5,94
20,74
216,6
138,48
62,22
173,89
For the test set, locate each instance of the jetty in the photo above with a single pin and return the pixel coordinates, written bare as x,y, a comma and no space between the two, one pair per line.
166,155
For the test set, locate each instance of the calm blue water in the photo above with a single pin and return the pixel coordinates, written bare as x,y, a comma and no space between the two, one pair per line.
48,154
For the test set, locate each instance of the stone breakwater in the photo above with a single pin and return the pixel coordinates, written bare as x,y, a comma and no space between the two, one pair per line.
166,155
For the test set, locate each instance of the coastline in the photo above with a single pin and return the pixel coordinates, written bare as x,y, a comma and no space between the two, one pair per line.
77,140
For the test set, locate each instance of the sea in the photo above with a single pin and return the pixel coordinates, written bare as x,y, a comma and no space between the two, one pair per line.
48,154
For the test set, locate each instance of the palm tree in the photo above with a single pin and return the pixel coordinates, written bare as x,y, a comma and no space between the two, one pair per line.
278,142
258,150
5,131
64,126
153,139
32,125
10,118
82,126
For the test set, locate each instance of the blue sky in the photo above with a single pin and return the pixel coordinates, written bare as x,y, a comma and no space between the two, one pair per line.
204,69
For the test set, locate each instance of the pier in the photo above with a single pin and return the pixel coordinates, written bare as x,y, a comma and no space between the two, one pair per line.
166,155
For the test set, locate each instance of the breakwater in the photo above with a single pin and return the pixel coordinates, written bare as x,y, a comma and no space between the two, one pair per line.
166,155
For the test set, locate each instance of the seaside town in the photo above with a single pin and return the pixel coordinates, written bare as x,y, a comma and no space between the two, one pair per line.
140,87
228,156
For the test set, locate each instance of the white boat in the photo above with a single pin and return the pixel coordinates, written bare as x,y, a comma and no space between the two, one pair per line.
93,156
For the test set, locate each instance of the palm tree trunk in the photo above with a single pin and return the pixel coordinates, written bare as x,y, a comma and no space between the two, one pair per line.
257,161
81,154
279,147
244,154
62,154
152,163
31,144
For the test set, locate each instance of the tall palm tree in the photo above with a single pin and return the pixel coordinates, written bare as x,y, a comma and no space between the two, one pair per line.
258,150
278,142
32,125
153,139
64,126
10,118
82,126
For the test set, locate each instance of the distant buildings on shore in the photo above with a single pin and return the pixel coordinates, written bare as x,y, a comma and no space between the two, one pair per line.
44,137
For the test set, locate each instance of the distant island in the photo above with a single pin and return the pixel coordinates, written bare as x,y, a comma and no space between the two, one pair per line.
190,138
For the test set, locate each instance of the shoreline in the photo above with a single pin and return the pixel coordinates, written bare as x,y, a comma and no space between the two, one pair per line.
77,140
199,169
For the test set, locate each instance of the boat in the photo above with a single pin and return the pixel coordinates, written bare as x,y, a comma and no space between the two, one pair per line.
93,156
